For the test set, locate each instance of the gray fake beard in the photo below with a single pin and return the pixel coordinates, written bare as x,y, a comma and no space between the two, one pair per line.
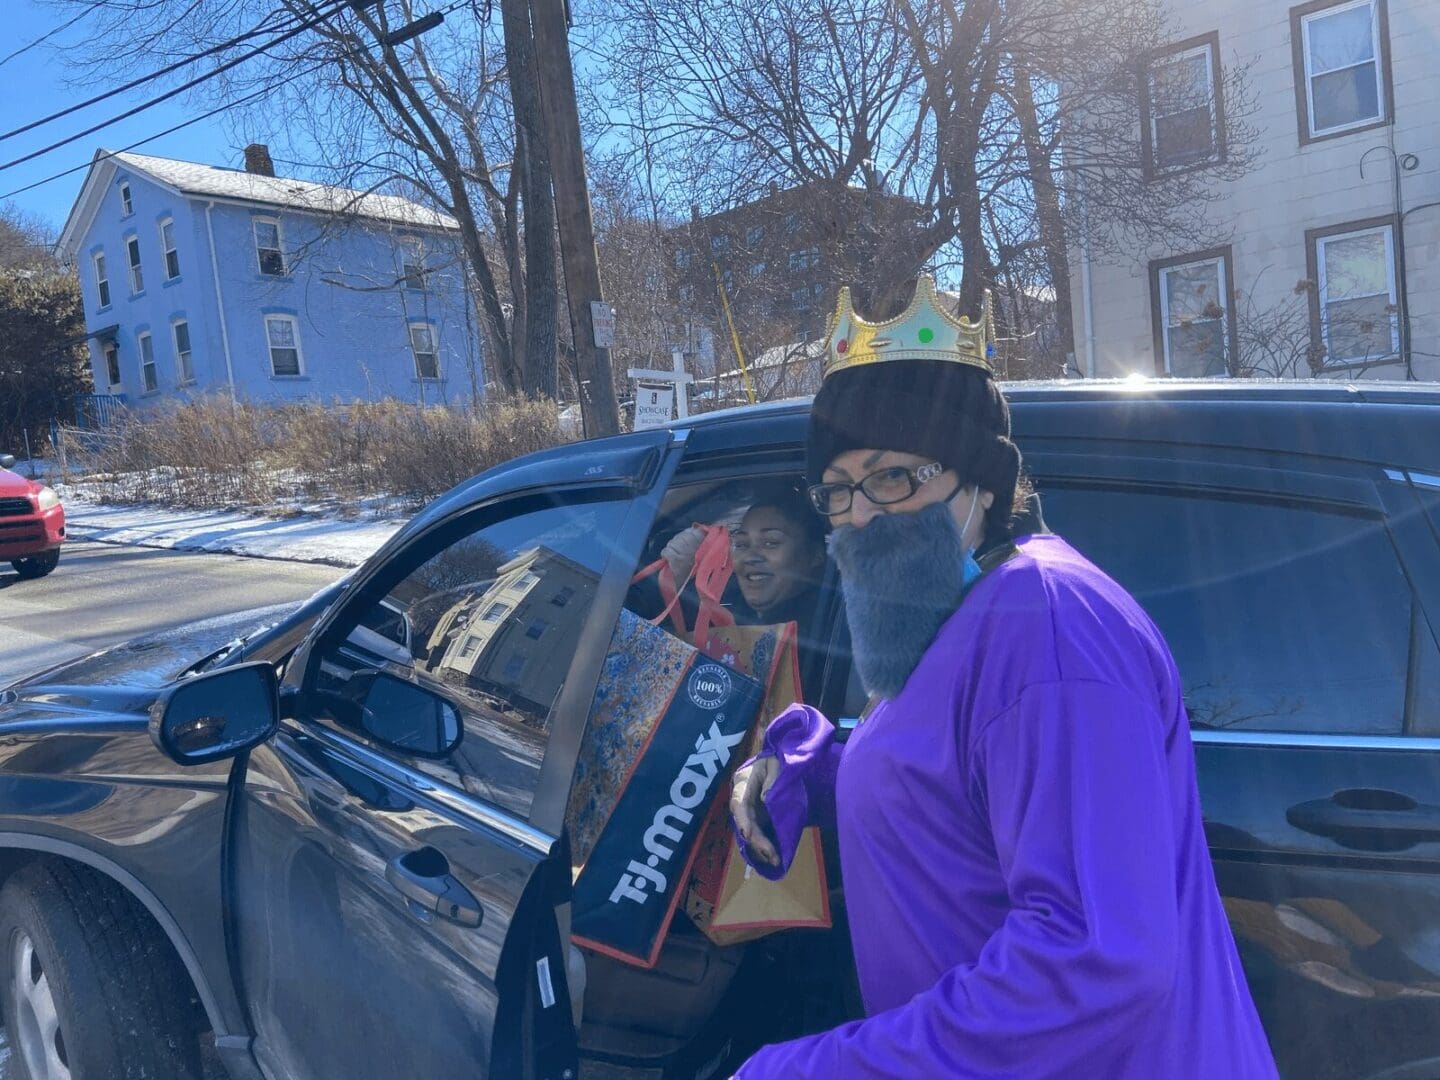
903,576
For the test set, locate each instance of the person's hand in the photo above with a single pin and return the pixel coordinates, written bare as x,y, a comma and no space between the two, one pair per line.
747,806
681,550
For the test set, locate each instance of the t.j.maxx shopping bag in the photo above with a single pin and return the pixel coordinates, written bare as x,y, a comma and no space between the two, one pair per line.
667,726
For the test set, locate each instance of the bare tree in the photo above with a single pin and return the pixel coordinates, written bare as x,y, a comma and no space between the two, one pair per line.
25,241
441,117
992,117
1284,339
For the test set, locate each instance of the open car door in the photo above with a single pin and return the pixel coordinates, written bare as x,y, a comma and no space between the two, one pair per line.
398,872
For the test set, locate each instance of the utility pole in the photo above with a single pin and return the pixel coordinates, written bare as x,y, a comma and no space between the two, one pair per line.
550,24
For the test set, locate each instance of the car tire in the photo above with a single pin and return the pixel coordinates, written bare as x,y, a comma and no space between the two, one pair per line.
92,990
37,566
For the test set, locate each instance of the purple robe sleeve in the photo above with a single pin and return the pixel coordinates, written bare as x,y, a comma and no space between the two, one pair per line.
804,792
1073,782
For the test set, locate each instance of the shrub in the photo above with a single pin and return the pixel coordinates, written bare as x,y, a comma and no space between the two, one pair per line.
208,453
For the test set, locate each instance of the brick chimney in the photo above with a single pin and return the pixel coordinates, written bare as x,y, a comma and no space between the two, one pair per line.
257,160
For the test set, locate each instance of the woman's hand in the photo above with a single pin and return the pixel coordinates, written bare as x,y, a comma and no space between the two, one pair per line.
681,550
747,806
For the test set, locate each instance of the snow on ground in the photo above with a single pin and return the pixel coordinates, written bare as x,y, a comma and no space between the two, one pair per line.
322,538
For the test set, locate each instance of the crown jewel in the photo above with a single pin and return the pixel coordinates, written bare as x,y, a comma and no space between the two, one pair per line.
923,331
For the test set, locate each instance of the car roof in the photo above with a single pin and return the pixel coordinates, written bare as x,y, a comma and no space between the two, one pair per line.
1298,391
1393,424
1389,423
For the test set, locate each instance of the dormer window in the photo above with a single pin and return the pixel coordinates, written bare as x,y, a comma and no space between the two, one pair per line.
126,206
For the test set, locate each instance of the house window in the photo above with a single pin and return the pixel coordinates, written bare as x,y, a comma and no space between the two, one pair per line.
727,281
719,244
183,367
537,629
755,236
800,297
1183,117
792,222
682,259
267,247
495,612
527,581
422,344
111,352
804,260
1340,52
1193,325
167,245
126,206
137,276
1356,298
102,280
757,269
468,647
149,378
687,294
283,334
563,597
412,266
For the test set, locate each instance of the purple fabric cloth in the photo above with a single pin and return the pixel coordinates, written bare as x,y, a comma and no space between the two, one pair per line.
804,792
1025,863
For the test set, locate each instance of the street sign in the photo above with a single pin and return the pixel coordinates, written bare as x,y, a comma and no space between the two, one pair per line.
602,318
653,406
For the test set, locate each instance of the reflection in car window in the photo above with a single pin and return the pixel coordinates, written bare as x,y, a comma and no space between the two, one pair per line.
491,623
1281,618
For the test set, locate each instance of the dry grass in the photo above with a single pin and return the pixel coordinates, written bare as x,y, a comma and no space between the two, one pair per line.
210,454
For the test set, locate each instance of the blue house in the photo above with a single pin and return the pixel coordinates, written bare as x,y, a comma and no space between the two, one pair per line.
202,280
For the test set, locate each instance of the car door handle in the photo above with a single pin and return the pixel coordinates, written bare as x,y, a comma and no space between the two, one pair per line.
423,877
1369,819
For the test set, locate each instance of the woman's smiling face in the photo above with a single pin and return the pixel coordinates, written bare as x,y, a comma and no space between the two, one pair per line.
774,558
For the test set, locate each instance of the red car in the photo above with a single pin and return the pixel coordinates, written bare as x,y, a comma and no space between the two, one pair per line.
32,523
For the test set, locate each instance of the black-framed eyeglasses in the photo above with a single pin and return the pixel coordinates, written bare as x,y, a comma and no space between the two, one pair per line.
882,487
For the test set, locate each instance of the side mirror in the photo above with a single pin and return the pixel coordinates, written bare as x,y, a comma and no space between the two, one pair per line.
217,715
406,716
7,461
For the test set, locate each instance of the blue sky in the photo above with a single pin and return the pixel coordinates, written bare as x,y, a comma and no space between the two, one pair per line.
36,83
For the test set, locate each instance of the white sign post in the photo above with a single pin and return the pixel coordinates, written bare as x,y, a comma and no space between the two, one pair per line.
671,386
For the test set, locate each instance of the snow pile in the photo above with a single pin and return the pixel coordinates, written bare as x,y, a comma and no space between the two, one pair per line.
320,538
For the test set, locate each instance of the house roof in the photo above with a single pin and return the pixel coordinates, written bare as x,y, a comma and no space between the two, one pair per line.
236,185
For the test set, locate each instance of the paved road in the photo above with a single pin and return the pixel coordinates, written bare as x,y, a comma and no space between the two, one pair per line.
103,594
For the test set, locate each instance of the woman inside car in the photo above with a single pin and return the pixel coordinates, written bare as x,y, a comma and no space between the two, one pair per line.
1026,872
778,552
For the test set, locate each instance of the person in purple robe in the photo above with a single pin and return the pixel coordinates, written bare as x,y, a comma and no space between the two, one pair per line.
1025,866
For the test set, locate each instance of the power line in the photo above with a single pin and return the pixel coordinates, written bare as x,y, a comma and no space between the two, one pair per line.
183,87
259,28
168,131
50,33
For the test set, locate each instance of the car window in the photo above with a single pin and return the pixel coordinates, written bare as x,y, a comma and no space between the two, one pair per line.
1282,618
489,625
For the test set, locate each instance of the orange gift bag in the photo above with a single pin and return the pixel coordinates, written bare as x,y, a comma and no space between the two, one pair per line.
727,900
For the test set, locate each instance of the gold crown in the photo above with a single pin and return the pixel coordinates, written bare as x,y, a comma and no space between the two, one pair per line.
923,331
